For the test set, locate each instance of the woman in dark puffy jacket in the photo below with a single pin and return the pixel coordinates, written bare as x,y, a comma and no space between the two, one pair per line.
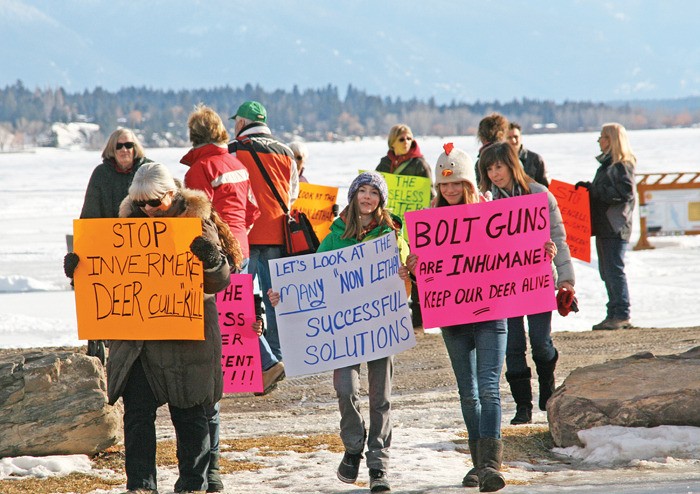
612,202
186,375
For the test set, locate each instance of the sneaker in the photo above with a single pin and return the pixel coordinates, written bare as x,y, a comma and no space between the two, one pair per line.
378,481
271,377
349,467
612,324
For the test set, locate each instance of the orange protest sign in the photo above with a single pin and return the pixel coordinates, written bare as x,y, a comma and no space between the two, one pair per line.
138,280
576,213
317,201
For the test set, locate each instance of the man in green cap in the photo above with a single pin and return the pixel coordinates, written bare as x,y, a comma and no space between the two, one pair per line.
266,238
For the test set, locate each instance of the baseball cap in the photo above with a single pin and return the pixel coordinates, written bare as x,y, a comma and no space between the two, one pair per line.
252,110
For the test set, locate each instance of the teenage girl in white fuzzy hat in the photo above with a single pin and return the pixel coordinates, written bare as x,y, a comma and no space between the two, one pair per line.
476,350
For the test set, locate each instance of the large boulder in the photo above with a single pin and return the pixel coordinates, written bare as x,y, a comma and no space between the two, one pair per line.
54,402
638,391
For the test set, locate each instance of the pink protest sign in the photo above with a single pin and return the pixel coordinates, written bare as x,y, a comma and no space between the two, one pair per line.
240,349
479,262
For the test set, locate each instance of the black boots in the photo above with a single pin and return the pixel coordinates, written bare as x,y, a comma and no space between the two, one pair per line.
521,390
471,479
545,375
490,457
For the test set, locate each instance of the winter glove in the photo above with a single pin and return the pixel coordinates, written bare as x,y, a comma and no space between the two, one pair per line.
259,308
584,184
70,262
206,251
566,302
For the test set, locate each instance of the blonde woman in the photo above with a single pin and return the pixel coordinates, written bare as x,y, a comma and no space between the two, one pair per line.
612,203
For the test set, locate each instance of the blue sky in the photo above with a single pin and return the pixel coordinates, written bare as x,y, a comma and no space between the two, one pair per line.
465,51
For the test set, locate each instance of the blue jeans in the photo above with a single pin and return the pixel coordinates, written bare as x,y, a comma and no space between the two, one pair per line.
267,358
611,265
191,431
540,331
259,257
477,352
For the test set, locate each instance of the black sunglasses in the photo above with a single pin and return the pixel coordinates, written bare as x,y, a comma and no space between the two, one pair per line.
154,203
404,139
298,158
127,145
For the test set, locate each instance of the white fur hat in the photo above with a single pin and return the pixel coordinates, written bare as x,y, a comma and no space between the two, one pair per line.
454,165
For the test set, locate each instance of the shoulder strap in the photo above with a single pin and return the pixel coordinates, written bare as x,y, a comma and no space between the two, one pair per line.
249,147
401,167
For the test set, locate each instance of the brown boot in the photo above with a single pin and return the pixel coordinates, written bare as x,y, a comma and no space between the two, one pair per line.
471,479
490,457
271,377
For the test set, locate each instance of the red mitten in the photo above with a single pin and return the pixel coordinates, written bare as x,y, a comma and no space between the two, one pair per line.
566,302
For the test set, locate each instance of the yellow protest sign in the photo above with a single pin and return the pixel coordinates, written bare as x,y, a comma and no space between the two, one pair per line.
138,280
317,201
407,193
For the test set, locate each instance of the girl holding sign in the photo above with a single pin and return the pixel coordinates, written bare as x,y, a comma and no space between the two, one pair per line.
364,219
476,350
503,176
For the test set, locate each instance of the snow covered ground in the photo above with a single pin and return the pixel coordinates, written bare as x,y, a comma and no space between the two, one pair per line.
41,193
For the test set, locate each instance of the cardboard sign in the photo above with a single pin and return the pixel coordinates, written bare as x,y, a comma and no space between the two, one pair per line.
407,193
240,348
317,201
480,262
341,307
138,280
576,213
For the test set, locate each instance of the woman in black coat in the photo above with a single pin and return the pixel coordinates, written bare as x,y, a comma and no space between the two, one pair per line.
612,202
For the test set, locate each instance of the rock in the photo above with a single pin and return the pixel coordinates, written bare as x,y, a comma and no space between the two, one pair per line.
638,391
55,402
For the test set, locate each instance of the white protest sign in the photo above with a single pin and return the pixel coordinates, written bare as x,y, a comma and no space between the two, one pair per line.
341,307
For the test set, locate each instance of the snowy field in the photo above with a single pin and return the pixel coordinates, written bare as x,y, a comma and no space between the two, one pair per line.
42,192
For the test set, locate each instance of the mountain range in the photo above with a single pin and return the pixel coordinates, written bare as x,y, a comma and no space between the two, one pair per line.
466,51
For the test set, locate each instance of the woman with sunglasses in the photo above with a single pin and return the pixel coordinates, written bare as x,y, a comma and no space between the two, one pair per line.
405,158
186,375
110,181
108,185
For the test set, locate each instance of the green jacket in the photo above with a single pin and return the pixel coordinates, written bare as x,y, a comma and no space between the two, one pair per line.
335,241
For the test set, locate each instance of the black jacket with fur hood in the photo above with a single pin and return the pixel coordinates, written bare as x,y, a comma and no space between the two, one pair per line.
182,373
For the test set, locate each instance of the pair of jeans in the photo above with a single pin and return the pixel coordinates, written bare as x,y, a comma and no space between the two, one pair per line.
353,432
267,358
611,265
477,352
539,328
260,267
191,431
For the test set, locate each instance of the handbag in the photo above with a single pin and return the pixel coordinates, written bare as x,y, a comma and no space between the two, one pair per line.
299,235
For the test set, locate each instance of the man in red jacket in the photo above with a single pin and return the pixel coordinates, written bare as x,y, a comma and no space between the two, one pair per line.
266,239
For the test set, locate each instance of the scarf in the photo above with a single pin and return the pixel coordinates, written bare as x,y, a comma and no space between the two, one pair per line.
396,161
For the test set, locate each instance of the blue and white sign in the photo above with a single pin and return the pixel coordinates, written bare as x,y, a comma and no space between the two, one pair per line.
341,307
